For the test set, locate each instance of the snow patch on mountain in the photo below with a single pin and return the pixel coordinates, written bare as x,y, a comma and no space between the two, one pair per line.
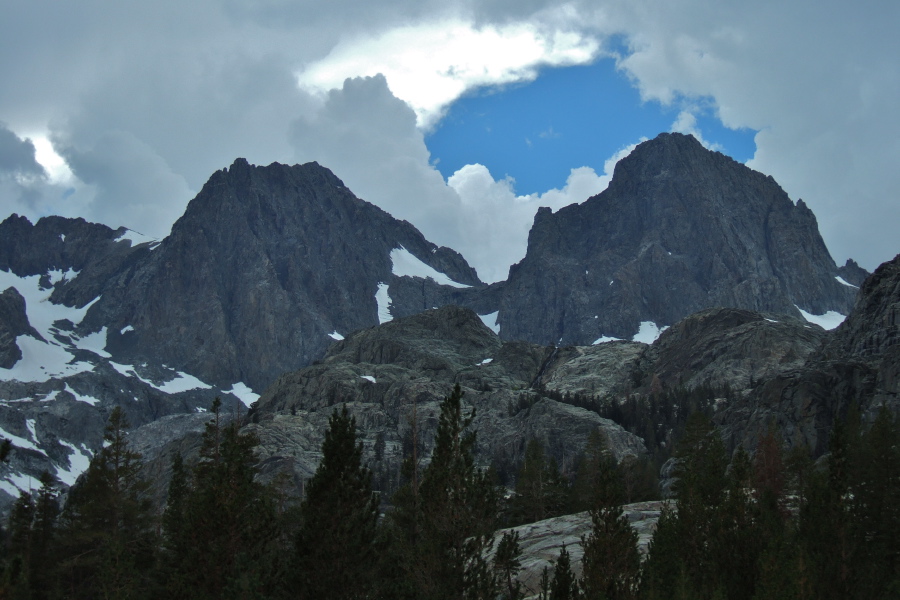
384,304
47,358
95,342
16,483
335,335
40,310
404,264
57,276
20,442
182,382
606,338
648,332
841,280
135,237
81,397
79,461
243,393
828,321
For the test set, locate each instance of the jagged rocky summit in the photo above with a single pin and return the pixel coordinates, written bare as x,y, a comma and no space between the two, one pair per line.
678,230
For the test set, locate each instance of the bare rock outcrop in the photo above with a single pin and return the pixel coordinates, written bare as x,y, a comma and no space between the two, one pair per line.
394,375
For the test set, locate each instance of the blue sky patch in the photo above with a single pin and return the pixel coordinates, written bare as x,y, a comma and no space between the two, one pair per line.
568,117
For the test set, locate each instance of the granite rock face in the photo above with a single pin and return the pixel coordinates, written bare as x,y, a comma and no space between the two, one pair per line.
678,230
857,363
270,265
267,266
542,541
394,375
728,346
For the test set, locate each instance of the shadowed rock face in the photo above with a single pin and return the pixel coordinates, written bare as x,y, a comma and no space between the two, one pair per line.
13,323
858,363
733,347
265,263
679,229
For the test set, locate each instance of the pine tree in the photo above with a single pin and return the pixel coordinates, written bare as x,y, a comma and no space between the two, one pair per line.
507,565
231,527
598,480
564,586
611,563
825,527
681,558
540,492
875,508
447,520
175,541
17,569
108,531
335,547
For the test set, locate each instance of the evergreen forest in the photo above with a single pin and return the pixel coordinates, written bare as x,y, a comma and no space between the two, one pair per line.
774,525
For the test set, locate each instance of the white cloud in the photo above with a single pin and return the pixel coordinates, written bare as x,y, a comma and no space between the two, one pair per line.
127,183
370,140
432,64
686,123
496,221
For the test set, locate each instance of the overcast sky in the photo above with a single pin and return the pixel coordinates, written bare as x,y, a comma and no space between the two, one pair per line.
119,111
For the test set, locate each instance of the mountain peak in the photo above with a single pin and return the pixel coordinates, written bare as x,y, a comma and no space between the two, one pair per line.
679,229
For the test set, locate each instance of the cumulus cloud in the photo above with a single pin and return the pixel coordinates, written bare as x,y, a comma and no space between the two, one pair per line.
817,79
432,64
370,140
496,221
686,123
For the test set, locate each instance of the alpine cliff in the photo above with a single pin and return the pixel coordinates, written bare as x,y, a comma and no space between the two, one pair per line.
678,230
264,266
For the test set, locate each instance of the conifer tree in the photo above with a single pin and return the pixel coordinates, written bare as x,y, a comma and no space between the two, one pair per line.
598,480
108,530
335,546
30,557
448,521
564,586
507,565
175,540
540,491
231,524
681,558
611,563
875,508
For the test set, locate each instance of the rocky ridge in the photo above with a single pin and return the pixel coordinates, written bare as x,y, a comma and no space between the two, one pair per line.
396,374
